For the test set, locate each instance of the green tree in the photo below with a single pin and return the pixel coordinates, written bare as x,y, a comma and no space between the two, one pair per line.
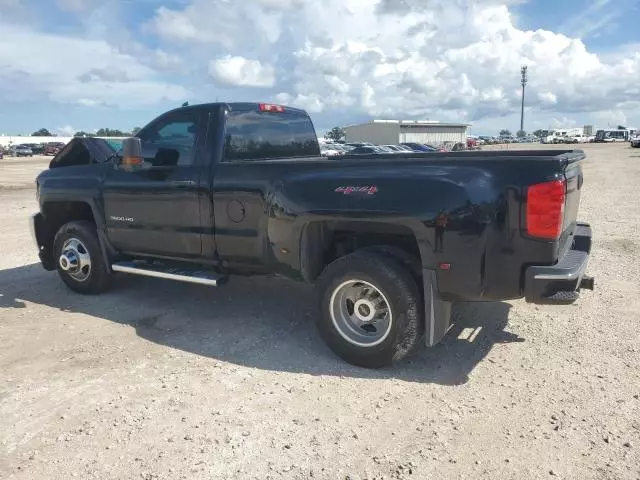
185,104
83,134
335,134
505,133
107,132
539,133
521,134
43,132
135,131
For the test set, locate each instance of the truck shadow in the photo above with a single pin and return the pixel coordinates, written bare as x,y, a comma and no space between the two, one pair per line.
262,323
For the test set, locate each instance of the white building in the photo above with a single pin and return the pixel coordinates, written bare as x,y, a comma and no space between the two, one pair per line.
8,140
392,132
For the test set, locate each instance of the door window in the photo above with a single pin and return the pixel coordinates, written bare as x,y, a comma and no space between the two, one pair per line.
171,141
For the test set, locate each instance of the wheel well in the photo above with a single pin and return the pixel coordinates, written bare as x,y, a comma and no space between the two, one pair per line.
324,242
57,214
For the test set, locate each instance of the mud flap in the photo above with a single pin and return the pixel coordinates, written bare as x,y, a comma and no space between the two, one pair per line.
437,312
42,239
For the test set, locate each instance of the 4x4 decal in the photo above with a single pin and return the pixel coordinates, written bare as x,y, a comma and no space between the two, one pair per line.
348,190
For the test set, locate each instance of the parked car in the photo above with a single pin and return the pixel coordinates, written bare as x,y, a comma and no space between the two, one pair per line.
343,149
386,149
419,147
388,242
329,151
53,148
405,148
22,151
487,140
358,144
36,148
635,141
395,148
366,150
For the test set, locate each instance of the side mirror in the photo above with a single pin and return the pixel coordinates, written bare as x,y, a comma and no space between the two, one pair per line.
132,158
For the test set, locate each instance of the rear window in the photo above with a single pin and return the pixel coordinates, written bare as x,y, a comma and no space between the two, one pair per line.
254,135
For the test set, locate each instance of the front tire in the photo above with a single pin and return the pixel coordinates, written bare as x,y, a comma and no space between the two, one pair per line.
369,309
79,258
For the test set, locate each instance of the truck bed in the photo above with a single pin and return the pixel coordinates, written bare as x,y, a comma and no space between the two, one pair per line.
568,156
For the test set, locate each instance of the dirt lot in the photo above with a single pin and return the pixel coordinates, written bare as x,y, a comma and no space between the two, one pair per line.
159,380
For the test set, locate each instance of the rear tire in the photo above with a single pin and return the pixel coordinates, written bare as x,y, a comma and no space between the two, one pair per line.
369,310
83,268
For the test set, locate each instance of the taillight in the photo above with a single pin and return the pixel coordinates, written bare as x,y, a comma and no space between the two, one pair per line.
268,107
545,209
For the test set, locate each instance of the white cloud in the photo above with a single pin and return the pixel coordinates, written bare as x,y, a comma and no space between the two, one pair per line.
614,118
65,131
71,70
280,4
547,98
598,15
404,58
562,122
76,5
455,60
205,22
240,71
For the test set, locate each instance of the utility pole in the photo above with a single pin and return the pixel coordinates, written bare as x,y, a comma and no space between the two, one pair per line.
523,81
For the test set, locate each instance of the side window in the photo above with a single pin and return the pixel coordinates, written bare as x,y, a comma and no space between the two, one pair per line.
253,135
171,141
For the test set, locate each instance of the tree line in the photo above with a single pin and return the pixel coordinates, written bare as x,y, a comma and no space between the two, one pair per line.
520,133
102,132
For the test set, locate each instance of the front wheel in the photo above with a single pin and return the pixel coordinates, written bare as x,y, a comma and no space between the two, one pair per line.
370,312
79,259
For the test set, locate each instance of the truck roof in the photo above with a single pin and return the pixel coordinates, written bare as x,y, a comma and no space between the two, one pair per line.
244,106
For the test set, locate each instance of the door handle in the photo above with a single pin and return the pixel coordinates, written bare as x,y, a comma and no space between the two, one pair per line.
182,183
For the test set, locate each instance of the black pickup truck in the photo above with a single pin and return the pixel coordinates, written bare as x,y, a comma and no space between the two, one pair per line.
390,241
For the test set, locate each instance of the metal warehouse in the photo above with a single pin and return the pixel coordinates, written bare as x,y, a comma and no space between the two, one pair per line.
391,132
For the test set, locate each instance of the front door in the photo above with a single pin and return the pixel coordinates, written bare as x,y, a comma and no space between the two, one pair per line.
155,210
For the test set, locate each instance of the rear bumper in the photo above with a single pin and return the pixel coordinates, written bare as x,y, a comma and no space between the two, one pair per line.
560,284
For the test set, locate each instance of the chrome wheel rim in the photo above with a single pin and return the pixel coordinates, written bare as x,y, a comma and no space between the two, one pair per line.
75,260
360,313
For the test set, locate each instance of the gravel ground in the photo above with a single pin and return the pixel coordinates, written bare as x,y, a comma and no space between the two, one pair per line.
161,380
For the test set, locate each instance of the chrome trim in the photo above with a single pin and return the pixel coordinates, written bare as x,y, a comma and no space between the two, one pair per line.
558,276
75,260
575,275
350,326
182,183
168,276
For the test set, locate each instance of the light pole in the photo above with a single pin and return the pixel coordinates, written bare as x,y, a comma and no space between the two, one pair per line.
523,81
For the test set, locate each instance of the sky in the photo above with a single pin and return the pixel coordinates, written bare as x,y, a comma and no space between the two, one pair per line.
69,65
